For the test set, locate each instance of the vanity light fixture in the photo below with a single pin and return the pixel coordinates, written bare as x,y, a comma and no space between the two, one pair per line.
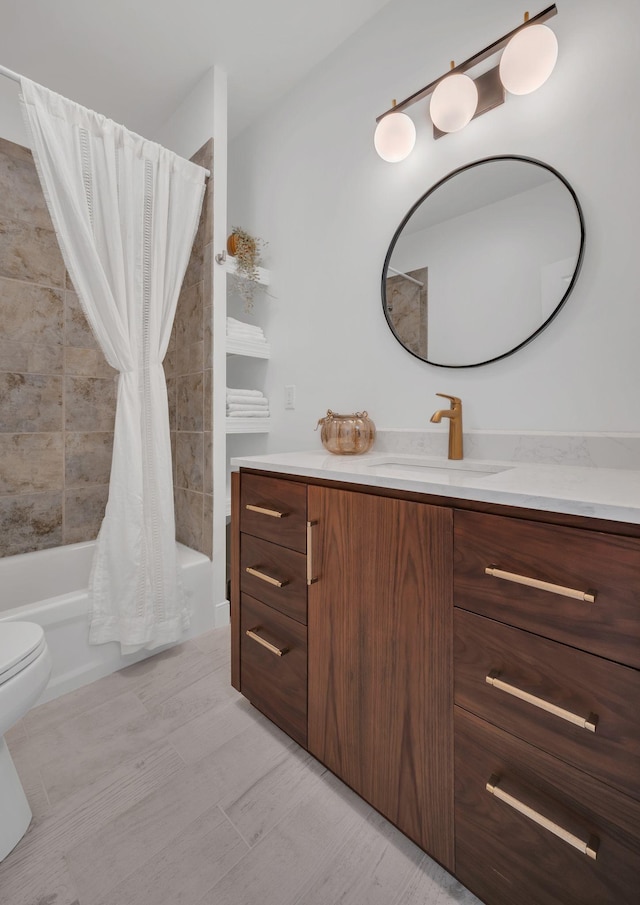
395,137
453,102
529,56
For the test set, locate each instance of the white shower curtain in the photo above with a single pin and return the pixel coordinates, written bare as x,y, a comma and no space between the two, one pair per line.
125,211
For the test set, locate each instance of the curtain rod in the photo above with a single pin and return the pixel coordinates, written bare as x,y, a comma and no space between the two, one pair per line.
10,74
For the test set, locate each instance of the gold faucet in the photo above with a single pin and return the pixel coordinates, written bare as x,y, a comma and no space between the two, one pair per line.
454,414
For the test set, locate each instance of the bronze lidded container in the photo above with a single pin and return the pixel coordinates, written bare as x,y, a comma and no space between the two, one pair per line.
347,435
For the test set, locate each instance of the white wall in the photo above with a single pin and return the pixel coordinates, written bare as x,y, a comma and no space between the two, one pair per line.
307,179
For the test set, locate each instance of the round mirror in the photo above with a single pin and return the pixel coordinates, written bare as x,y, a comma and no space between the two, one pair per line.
483,262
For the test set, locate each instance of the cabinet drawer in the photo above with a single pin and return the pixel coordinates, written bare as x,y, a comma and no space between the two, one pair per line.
563,687
275,510
278,576
275,683
506,856
564,560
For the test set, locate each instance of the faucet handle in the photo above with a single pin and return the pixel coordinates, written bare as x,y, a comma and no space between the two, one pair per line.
455,400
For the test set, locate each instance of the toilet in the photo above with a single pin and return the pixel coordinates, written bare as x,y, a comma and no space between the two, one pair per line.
25,667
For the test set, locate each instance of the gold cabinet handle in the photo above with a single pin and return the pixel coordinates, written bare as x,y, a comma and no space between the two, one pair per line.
274,513
587,596
589,723
253,634
264,577
588,847
310,578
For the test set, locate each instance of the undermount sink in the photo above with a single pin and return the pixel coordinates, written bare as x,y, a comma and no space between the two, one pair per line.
430,468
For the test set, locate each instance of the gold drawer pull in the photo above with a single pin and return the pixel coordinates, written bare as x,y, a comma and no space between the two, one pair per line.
588,596
274,513
253,634
589,848
588,723
310,579
264,577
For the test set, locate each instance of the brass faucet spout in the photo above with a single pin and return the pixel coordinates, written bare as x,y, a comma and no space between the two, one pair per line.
454,414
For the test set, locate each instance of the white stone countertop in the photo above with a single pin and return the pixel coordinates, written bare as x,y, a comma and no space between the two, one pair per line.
603,493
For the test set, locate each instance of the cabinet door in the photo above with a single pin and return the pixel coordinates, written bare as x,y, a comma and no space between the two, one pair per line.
380,657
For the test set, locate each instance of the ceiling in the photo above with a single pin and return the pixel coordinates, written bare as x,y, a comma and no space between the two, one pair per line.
135,60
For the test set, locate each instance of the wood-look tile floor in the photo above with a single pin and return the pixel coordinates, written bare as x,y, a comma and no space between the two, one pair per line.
160,785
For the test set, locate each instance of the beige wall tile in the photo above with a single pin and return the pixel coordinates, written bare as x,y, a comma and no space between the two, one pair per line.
30,522
77,331
194,270
207,482
172,391
190,359
15,150
190,403
86,362
173,436
30,402
88,458
208,334
21,196
189,518
30,253
90,403
189,461
190,316
208,400
29,313
170,359
30,463
24,358
83,512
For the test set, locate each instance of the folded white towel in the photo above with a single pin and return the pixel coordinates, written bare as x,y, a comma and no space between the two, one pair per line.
236,327
244,331
250,401
244,407
241,392
254,414
241,325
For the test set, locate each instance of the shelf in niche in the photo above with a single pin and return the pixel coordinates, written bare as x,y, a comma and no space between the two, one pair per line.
237,347
248,425
230,265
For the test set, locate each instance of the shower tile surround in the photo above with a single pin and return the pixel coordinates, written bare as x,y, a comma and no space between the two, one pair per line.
188,368
58,394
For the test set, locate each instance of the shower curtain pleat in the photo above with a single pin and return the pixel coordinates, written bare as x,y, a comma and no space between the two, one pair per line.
125,211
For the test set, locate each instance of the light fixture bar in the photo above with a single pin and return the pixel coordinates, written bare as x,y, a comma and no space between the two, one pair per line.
477,58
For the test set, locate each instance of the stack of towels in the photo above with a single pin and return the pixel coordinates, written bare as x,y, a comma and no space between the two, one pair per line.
247,404
246,337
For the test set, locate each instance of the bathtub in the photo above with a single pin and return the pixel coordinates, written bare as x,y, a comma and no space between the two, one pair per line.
50,587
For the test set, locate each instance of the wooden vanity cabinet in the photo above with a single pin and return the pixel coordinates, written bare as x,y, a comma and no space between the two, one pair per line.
370,676
380,658
269,598
547,712
474,675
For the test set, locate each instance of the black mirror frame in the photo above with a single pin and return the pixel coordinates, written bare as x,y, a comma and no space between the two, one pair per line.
398,232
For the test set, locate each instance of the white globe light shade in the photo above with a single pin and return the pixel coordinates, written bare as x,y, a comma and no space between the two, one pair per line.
528,59
453,103
395,137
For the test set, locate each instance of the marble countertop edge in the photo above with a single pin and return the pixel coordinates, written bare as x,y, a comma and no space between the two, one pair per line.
593,492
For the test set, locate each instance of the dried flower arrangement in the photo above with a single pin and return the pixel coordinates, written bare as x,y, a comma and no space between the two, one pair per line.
246,249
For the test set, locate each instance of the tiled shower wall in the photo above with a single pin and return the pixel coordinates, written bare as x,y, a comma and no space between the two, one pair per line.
188,368
57,393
